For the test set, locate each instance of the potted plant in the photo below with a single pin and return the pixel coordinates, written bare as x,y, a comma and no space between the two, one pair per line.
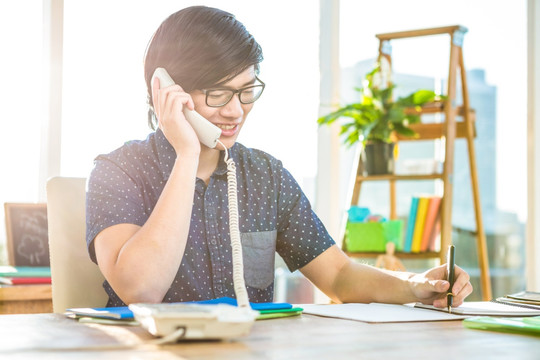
376,118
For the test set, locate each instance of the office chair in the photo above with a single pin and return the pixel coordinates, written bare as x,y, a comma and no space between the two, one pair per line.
76,280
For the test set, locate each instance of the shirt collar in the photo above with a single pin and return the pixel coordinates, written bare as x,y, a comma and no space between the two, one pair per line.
167,155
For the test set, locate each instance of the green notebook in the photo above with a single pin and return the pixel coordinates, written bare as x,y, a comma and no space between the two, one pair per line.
25,271
528,325
277,313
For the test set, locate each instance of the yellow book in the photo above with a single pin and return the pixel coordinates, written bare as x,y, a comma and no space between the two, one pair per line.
423,203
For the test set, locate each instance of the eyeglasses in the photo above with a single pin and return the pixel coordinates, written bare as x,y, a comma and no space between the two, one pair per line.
246,95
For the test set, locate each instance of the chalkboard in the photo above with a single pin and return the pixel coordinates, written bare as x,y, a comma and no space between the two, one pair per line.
27,235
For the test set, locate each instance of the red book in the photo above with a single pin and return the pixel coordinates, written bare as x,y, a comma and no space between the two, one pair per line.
24,280
431,218
435,234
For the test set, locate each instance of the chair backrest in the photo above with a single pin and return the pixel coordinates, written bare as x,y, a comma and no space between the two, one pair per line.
76,280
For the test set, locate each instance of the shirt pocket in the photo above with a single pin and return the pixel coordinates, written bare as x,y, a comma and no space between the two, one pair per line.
259,251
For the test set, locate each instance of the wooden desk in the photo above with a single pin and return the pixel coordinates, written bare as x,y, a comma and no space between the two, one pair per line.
301,337
25,299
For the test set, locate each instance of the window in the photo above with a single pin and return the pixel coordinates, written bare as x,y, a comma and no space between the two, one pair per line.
497,86
105,93
22,101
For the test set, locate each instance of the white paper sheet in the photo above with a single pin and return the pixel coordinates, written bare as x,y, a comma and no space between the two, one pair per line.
378,313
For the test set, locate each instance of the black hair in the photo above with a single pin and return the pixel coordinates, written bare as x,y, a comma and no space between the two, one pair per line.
200,47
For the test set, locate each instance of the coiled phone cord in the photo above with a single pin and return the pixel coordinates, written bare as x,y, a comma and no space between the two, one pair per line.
237,257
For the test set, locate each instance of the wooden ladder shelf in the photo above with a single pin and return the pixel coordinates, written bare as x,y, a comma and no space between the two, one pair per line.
449,129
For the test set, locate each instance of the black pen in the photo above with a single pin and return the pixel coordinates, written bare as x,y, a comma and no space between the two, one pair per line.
450,264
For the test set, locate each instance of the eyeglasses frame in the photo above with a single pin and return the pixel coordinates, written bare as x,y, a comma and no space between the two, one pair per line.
234,92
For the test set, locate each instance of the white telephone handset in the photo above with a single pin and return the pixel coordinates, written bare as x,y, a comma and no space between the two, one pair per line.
207,132
191,321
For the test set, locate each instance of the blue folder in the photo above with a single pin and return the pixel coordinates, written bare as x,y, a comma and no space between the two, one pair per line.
120,312
254,306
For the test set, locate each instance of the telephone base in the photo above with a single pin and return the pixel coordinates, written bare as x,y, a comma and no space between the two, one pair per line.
199,322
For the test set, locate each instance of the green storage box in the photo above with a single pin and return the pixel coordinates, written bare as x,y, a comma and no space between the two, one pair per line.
373,236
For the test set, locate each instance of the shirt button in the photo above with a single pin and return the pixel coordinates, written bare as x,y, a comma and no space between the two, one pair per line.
219,287
213,242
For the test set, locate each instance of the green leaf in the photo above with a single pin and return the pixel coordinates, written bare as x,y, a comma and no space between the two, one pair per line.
352,138
423,96
405,131
333,116
377,114
413,118
396,115
346,127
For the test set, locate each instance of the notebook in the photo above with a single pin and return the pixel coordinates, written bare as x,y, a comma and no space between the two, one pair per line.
526,296
278,313
24,280
120,312
485,308
25,271
377,312
516,302
527,325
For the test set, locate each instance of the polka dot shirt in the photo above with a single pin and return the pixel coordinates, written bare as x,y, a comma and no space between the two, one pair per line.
274,215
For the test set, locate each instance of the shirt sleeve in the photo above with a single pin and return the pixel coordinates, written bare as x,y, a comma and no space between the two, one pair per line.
301,234
112,198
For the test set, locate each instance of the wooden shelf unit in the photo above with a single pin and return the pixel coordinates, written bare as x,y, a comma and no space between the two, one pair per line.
25,299
449,129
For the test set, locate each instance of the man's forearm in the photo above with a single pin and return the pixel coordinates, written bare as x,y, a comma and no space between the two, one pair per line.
362,283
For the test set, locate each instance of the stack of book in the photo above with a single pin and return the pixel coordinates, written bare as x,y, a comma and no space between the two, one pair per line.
424,224
24,275
123,315
526,299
